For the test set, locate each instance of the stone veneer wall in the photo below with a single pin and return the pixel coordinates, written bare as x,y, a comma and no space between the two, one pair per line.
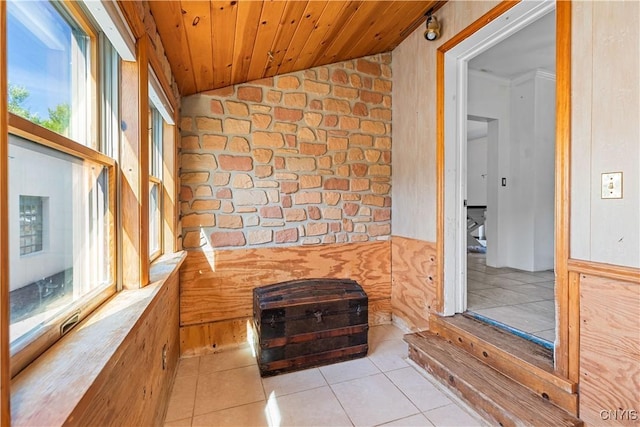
301,158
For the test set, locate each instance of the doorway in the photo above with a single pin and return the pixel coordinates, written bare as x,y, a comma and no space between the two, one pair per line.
517,242
510,275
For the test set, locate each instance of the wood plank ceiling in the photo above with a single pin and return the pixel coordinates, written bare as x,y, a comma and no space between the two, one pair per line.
213,44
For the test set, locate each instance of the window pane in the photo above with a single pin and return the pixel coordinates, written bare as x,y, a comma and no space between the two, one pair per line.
31,221
47,68
154,217
155,145
59,233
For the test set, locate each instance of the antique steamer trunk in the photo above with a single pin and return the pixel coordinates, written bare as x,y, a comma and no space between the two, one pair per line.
305,323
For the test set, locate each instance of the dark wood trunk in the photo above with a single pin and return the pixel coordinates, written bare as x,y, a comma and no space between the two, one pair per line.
304,323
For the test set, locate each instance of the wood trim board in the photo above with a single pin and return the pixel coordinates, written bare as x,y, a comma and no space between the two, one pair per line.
566,302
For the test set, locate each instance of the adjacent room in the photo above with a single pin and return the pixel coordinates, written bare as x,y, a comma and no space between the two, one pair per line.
288,213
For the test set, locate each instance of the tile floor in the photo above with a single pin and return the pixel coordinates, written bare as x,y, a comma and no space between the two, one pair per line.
225,389
520,299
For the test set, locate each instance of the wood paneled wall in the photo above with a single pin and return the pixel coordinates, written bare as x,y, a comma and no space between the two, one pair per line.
414,277
137,382
609,350
216,285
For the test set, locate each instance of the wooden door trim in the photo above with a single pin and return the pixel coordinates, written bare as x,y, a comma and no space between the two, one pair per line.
565,295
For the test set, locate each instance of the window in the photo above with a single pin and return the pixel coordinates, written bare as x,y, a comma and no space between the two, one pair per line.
161,133
61,190
77,262
66,139
155,181
31,224
49,68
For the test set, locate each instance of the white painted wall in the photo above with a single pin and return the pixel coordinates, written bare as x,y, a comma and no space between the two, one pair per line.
488,98
531,181
477,172
605,134
414,122
32,173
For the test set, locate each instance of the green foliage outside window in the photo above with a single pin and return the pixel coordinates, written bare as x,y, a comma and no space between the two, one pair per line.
58,120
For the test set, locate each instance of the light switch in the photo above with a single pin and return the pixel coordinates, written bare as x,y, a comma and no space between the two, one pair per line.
612,185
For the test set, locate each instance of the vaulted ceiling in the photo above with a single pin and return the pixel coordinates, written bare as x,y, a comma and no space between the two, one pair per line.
213,44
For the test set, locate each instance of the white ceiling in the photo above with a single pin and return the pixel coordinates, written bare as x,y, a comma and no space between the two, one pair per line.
532,48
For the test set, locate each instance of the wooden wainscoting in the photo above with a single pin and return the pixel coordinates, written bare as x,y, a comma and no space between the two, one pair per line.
609,343
216,285
414,275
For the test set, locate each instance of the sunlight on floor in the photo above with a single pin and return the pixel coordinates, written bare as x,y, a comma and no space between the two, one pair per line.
384,388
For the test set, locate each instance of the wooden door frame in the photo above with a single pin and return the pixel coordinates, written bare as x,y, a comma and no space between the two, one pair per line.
567,299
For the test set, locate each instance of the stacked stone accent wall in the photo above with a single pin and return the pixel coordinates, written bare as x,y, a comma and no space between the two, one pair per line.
302,158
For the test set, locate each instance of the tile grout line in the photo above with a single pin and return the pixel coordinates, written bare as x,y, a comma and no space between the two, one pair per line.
448,393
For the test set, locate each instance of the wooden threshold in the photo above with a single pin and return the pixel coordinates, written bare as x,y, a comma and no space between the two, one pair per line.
494,395
524,361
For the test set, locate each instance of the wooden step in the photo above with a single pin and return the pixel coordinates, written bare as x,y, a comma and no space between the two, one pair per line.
496,396
524,361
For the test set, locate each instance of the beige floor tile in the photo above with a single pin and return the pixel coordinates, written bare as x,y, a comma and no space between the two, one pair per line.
186,422
230,358
452,415
517,317
506,296
545,308
389,355
549,284
226,389
188,366
317,407
182,398
536,290
475,301
349,370
384,332
500,270
373,400
476,284
477,275
251,415
418,389
293,382
525,277
549,335
547,274
500,280
418,420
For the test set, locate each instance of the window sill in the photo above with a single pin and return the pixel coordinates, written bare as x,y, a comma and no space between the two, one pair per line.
48,390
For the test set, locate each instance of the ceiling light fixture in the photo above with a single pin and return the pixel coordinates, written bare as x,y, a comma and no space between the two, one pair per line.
433,28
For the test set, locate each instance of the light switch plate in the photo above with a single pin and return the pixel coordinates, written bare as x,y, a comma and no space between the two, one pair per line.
612,185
